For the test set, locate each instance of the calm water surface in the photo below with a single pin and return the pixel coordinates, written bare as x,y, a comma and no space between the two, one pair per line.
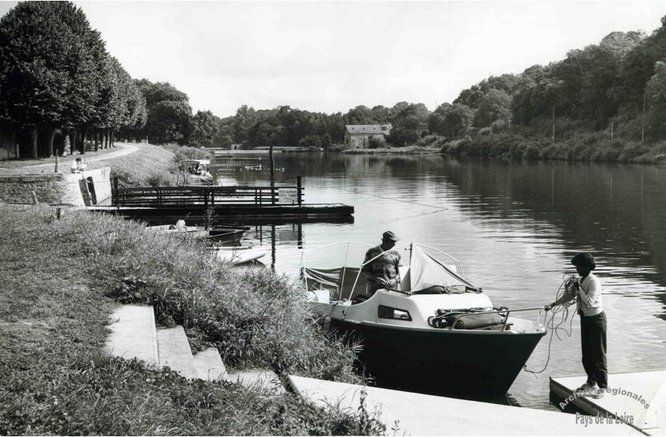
514,226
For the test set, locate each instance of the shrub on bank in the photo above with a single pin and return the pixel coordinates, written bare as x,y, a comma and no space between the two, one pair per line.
187,152
580,147
148,164
253,317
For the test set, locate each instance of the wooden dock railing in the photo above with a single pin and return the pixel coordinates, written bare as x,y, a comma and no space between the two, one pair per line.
207,195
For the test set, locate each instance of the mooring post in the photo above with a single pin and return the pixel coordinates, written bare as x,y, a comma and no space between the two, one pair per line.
272,164
299,190
114,194
273,247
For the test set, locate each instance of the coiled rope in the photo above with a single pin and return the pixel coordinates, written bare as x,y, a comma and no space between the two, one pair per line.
559,315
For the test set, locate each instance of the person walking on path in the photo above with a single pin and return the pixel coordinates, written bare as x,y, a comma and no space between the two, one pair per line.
593,324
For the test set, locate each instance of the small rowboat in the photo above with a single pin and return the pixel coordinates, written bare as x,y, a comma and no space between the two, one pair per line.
227,235
189,231
239,256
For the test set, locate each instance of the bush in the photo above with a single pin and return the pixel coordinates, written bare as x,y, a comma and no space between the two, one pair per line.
311,141
377,143
186,152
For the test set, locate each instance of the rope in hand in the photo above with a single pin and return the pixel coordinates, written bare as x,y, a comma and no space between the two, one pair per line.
559,315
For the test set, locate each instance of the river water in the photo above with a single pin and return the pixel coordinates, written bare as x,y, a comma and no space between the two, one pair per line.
514,226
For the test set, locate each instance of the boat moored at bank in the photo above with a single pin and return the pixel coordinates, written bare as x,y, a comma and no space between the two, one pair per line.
436,334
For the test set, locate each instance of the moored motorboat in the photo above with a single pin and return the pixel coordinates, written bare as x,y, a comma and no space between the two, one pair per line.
438,334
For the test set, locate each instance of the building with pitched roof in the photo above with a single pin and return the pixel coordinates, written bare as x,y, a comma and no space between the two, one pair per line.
357,136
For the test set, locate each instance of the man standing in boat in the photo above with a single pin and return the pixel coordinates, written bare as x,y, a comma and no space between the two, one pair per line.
381,265
592,324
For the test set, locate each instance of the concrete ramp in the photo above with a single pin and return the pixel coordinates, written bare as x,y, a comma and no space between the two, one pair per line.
638,399
418,414
133,334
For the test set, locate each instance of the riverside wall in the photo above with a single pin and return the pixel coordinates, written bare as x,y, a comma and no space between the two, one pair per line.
60,188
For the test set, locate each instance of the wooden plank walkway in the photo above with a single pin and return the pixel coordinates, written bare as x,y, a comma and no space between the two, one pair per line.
638,399
418,414
246,214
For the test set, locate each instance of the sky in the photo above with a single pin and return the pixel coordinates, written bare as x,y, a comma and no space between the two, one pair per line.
332,56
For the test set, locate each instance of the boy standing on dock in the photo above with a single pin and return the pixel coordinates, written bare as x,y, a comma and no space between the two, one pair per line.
592,325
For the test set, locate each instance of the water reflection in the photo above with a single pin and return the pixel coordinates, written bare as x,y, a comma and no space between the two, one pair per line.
515,227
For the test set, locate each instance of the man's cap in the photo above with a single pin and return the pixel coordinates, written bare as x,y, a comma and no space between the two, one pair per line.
388,235
584,259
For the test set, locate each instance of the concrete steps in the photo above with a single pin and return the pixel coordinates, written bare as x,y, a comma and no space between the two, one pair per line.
174,352
258,378
209,365
134,335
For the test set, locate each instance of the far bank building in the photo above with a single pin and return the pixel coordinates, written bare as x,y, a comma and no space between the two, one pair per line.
357,136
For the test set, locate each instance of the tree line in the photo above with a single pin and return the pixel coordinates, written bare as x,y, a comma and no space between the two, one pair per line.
59,86
56,77
617,87
60,89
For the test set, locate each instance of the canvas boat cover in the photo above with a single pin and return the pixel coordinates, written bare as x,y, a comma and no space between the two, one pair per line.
425,272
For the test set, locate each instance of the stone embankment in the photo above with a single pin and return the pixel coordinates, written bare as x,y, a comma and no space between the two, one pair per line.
91,187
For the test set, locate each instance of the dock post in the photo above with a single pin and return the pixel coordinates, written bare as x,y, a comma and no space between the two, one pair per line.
272,163
299,190
114,193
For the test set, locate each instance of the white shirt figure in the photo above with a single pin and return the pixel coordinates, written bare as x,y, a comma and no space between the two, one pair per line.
589,295
78,165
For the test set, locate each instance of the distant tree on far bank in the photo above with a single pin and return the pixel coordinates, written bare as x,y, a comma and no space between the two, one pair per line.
451,120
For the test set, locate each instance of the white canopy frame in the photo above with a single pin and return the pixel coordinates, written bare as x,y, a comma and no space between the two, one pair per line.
405,245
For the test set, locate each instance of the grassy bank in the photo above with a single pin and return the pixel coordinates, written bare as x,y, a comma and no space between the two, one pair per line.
595,147
61,279
149,165
152,165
